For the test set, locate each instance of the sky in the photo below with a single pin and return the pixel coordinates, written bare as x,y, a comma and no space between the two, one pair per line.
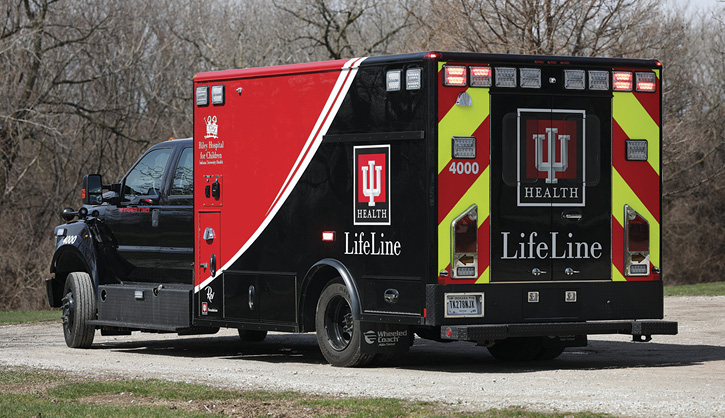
698,4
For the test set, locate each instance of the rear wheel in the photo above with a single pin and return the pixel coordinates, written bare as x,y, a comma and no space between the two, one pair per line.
551,348
79,307
516,349
252,335
337,336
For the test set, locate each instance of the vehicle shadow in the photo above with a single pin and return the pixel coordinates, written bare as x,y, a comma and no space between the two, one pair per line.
456,357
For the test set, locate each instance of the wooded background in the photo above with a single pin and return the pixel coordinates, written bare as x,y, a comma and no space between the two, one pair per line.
87,85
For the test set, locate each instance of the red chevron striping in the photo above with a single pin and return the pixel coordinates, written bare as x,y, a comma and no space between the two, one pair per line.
446,96
651,103
639,175
452,187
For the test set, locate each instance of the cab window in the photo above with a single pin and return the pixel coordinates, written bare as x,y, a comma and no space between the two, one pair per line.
146,178
183,176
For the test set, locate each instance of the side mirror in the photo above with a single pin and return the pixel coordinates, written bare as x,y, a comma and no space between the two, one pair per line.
92,192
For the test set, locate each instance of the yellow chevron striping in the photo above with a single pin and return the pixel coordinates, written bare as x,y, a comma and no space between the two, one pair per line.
461,121
485,277
622,195
637,124
478,194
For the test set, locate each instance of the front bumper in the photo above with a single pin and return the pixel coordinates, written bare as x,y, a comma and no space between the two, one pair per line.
641,330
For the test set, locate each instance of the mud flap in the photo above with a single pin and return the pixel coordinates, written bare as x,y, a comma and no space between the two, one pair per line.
384,338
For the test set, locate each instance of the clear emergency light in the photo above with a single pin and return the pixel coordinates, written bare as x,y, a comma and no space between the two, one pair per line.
217,94
481,77
454,75
636,149
393,80
598,80
413,78
636,237
505,77
530,78
202,96
646,81
574,79
622,81
464,147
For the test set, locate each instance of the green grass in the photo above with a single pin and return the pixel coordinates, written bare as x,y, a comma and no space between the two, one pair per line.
18,317
700,289
31,393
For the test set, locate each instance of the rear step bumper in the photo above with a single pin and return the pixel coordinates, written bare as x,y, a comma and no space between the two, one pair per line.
638,329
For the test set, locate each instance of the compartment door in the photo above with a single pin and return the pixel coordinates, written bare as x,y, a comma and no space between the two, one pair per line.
208,264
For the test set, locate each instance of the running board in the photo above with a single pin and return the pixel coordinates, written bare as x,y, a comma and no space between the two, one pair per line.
147,306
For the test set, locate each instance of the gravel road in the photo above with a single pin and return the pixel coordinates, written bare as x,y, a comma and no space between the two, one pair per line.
672,376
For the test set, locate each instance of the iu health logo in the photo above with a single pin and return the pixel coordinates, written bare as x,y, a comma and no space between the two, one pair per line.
371,179
551,146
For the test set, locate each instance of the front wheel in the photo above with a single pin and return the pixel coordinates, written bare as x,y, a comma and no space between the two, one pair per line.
79,307
250,335
337,336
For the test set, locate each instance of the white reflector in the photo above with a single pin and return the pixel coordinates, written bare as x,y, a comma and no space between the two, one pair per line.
412,78
464,147
574,79
646,81
530,78
505,77
392,80
599,80
217,94
202,96
636,149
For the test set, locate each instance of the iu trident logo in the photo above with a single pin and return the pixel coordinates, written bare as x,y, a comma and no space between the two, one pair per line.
551,166
371,179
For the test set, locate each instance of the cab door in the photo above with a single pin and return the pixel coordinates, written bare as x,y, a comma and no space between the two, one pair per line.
550,186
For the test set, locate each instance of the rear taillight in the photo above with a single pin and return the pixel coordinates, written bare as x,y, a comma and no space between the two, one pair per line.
622,80
464,244
646,81
481,76
454,75
636,243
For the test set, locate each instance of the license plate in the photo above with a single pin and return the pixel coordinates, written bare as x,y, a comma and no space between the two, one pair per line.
464,305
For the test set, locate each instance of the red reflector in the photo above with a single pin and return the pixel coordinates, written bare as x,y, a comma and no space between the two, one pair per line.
454,75
449,332
425,313
328,236
622,80
83,193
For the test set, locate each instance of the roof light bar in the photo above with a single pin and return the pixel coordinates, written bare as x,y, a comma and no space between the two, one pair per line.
622,81
481,77
598,80
646,81
505,77
530,78
454,75
574,79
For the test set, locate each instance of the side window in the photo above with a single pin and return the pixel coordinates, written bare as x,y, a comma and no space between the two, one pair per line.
183,176
147,177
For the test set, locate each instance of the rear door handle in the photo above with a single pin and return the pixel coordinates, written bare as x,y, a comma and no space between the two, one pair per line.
572,215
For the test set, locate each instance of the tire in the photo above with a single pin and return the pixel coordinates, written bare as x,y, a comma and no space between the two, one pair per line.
254,336
79,307
516,349
551,348
337,336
